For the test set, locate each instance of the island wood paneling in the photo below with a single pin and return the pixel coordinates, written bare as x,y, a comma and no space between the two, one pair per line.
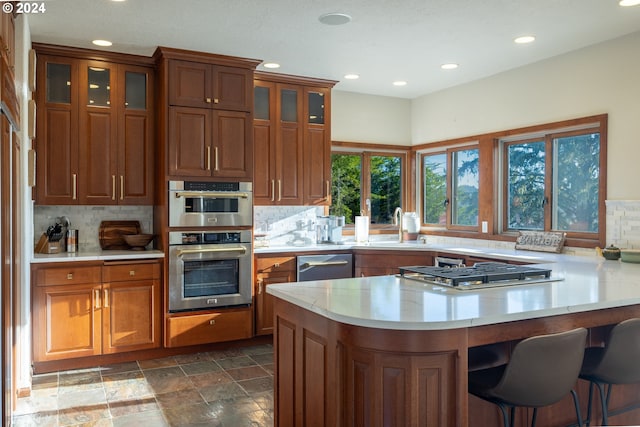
331,374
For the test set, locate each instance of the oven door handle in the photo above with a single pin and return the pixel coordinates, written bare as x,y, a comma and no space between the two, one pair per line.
211,195
324,263
181,252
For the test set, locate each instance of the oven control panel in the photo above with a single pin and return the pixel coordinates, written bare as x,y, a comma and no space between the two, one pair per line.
209,238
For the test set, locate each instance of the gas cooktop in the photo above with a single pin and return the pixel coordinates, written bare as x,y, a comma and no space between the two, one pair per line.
481,275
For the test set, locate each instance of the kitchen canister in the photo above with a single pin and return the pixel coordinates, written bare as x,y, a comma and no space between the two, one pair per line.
362,229
72,240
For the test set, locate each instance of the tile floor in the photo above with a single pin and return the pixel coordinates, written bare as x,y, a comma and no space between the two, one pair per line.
219,388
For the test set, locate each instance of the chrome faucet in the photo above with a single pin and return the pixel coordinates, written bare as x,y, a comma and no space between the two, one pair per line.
397,220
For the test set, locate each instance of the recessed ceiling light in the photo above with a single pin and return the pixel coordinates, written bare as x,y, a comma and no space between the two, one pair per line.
524,39
449,66
102,42
271,65
334,18
400,83
351,76
629,2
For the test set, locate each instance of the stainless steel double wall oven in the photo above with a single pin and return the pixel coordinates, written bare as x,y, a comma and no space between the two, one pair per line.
210,244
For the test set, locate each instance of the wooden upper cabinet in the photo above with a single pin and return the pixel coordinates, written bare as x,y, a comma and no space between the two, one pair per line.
97,169
317,153
56,141
190,141
94,132
208,103
136,136
292,140
278,143
8,98
202,85
206,143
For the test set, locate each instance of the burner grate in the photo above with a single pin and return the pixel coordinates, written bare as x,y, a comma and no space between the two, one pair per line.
481,273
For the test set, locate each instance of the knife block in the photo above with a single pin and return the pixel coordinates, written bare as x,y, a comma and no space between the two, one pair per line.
44,246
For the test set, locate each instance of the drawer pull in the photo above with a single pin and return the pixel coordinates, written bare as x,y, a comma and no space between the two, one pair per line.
207,100
132,272
276,265
69,276
212,322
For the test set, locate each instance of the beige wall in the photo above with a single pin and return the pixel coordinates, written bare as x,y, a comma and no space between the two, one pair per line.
367,118
604,78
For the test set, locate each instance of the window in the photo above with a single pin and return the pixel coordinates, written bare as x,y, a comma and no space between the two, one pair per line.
553,183
366,182
450,190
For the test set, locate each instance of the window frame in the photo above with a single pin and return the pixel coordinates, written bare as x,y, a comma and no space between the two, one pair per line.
448,151
366,151
491,163
550,188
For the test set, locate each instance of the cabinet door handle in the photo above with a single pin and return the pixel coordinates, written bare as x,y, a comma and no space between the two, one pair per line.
215,158
259,287
273,190
212,322
113,187
216,100
96,297
208,158
279,190
106,298
121,187
207,100
74,190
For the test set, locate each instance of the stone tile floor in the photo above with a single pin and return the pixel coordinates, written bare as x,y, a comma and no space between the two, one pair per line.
220,388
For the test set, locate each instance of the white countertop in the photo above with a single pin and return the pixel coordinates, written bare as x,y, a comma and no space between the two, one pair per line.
388,302
108,255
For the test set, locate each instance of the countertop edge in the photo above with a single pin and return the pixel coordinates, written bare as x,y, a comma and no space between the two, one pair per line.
97,256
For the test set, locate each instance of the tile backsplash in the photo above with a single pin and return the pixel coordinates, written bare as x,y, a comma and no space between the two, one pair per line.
87,219
286,225
623,223
295,225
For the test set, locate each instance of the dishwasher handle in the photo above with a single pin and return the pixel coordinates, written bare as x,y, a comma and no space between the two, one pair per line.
323,263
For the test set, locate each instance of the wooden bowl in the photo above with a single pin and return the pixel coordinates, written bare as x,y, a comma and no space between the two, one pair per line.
137,242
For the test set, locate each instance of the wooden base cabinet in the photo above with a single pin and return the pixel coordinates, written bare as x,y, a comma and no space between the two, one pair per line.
77,314
270,270
382,263
131,307
209,327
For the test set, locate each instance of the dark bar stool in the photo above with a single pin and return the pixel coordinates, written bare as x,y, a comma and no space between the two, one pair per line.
618,362
542,370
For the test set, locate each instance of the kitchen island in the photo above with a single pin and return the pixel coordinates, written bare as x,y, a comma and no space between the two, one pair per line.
388,351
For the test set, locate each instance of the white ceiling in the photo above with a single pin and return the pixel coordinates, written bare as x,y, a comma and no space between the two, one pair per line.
387,40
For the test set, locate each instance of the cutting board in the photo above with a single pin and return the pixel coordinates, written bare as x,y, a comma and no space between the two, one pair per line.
110,233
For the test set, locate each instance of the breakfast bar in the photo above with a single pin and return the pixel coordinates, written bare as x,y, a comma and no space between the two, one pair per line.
390,351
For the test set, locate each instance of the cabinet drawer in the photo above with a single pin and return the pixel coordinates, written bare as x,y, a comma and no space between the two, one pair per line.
192,329
68,275
266,265
128,272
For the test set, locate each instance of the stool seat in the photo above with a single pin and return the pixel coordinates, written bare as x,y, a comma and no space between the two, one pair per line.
542,370
615,363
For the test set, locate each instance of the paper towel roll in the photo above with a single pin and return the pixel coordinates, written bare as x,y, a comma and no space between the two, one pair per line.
362,229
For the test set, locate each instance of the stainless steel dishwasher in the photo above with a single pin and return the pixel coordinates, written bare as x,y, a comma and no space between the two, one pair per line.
326,266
